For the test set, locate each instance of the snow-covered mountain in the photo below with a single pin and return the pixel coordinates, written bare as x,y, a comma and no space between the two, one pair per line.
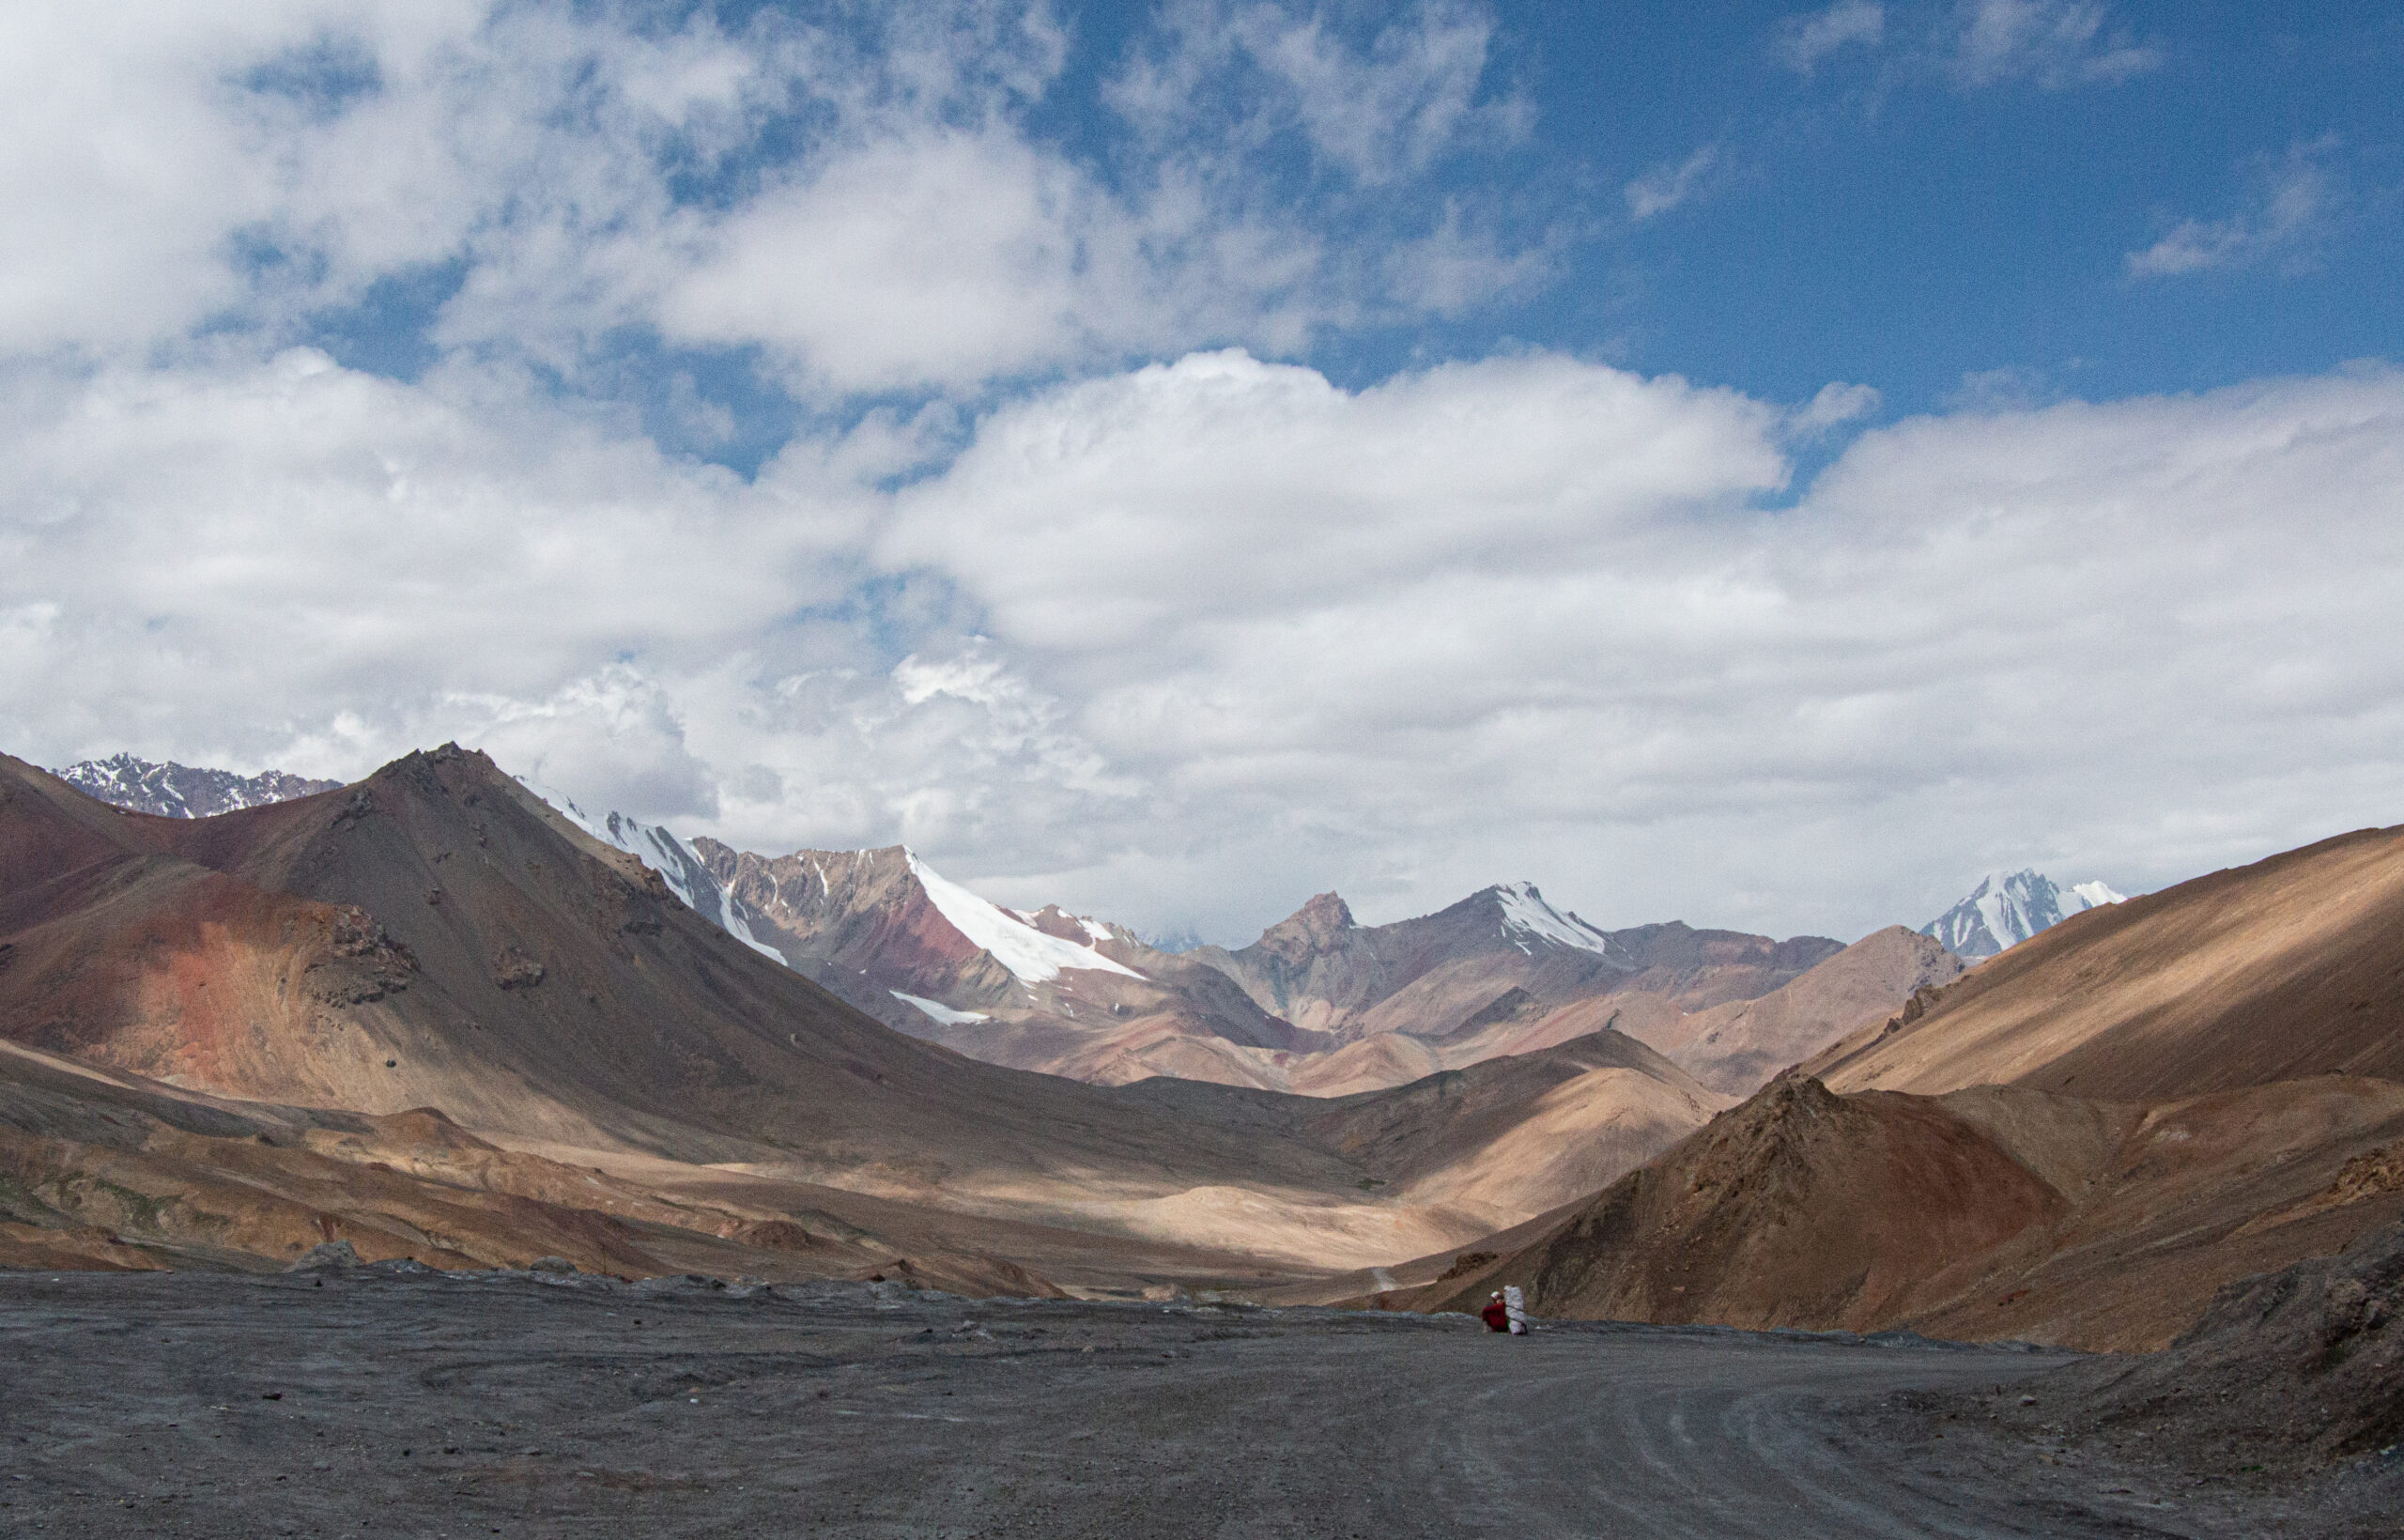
2007,908
182,791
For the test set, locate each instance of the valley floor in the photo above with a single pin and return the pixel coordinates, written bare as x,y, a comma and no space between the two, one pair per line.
388,1402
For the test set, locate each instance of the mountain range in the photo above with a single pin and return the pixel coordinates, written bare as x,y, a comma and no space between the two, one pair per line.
179,791
438,1015
1319,1004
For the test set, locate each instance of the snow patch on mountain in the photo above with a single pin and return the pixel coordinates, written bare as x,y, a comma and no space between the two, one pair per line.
678,864
1525,913
939,1010
1031,956
2007,908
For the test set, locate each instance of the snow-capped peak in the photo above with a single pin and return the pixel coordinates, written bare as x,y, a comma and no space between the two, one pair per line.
2007,908
2091,896
1525,913
1031,956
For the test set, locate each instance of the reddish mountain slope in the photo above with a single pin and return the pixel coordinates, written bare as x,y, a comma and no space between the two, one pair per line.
872,927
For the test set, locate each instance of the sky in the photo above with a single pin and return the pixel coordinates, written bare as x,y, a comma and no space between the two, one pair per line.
1754,464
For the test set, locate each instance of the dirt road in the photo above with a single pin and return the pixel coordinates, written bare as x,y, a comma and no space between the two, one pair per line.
474,1405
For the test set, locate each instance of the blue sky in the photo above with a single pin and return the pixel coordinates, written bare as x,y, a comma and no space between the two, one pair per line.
1766,468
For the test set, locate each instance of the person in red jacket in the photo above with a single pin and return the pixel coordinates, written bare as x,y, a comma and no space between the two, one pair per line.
1496,1314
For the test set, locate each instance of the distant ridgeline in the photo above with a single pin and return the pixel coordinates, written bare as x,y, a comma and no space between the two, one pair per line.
181,791
2006,909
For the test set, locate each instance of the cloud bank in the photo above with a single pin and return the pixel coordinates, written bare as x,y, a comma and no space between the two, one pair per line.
1192,641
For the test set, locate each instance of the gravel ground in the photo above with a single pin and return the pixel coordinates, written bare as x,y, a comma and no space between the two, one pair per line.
389,1403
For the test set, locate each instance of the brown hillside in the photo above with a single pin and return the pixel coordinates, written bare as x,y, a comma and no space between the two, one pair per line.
1991,1212
1490,1145
2290,967
1735,1047
1799,1208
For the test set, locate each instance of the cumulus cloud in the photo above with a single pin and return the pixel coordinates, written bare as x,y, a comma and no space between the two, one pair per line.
944,259
1837,403
1182,642
235,562
2292,201
1526,618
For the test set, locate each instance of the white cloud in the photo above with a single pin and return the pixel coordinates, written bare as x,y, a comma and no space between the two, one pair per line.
1519,618
863,199
1665,187
946,259
226,561
2293,200
1189,643
1183,643
1804,41
2055,43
